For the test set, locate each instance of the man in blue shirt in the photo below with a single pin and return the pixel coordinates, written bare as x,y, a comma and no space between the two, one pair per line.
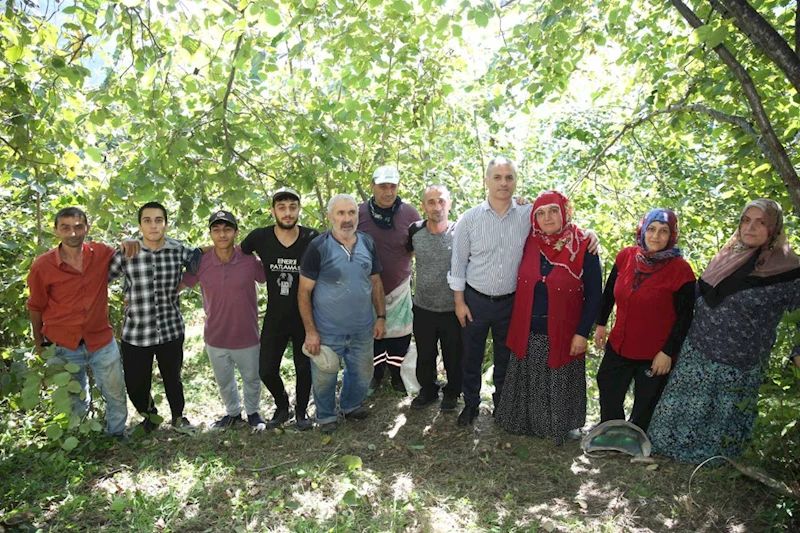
339,279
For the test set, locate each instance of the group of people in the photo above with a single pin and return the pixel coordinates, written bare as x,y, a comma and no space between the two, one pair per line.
695,350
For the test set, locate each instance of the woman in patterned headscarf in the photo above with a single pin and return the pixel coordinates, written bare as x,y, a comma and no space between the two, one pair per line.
558,295
709,405
653,287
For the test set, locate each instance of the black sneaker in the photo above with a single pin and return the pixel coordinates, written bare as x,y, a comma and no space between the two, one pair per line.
280,417
254,421
303,422
468,415
329,428
226,422
359,413
423,400
146,426
398,385
182,425
449,403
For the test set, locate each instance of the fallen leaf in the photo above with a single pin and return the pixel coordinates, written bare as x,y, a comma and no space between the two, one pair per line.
652,467
582,503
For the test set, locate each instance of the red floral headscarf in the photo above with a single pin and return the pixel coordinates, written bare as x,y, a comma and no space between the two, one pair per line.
561,248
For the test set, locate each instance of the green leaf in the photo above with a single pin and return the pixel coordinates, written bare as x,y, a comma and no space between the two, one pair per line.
70,443
62,378
272,17
53,432
350,498
94,153
481,19
118,504
522,451
13,53
352,462
74,387
72,368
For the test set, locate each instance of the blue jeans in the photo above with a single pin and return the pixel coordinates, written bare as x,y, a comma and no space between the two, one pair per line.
107,370
356,352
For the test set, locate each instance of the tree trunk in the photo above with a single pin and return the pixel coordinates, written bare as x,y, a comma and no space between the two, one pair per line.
779,157
766,38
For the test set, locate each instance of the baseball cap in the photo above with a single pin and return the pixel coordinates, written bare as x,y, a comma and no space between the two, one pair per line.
327,361
286,191
386,174
225,216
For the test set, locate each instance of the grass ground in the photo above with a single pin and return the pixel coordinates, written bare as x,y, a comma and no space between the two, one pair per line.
398,470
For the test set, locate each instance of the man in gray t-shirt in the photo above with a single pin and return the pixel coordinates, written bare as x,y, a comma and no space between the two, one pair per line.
435,319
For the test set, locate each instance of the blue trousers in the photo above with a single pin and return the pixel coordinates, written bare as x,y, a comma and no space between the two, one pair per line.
108,376
356,352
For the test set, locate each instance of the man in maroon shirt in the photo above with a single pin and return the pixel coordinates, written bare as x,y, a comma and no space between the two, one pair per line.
386,218
68,306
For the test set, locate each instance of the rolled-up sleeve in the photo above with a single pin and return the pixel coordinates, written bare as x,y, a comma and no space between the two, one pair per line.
457,277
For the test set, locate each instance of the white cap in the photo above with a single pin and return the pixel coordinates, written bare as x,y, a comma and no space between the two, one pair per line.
327,361
386,174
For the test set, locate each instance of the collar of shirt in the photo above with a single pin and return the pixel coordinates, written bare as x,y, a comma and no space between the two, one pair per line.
86,251
486,207
216,261
169,244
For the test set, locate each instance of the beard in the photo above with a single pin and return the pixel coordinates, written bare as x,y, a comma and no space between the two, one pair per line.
286,226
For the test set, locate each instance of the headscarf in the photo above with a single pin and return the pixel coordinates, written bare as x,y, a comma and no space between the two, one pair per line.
772,258
563,247
649,262
383,216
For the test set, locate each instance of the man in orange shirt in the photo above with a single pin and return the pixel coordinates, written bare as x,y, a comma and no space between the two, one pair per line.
68,306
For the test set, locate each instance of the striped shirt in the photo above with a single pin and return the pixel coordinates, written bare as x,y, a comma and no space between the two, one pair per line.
487,249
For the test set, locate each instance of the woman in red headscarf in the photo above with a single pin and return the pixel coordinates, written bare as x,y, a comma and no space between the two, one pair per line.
558,296
653,288
710,403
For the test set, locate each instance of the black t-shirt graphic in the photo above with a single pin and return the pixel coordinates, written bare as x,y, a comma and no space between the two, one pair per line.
282,268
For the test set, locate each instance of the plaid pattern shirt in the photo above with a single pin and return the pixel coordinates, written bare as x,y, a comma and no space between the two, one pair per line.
153,315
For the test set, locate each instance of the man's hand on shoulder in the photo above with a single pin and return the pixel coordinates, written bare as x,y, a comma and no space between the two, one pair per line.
130,248
594,242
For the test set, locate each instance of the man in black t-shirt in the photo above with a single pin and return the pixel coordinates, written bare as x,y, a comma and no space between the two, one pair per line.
280,248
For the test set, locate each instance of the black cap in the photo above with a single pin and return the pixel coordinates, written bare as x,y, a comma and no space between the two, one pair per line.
225,216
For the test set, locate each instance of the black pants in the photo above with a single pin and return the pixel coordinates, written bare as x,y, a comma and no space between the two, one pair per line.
613,379
390,353
273,345
430,329
137,361
486,314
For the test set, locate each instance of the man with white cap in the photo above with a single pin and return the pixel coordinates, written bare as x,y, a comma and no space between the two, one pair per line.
340,285
228,280
386,218
281,247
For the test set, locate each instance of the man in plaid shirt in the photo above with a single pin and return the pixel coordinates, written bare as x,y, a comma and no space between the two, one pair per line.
153,324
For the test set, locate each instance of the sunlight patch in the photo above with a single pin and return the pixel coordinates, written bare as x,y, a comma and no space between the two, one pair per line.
399,422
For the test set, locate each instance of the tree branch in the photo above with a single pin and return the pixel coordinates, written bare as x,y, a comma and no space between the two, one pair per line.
766,38
779,157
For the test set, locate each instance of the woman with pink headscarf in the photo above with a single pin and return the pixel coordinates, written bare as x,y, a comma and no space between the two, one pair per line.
709,405
557,299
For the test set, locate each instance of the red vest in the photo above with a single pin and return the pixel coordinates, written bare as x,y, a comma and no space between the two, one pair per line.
564,306
646,316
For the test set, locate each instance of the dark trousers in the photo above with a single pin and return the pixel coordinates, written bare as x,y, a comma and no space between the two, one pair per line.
273,345
486,315
137,361
613,379
390,353
430,329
